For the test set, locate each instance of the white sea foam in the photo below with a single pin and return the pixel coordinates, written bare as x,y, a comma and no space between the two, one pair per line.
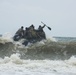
51,39
13,65
71,61
7,37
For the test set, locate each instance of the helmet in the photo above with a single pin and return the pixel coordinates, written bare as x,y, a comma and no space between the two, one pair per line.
22,27
39,25
32,26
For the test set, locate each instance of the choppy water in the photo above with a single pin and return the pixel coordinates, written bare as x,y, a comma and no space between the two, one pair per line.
54,56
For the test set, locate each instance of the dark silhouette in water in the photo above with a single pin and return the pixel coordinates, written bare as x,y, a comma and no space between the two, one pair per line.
30,34
19,34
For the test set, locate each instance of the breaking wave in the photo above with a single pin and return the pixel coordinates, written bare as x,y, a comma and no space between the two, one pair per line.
45,49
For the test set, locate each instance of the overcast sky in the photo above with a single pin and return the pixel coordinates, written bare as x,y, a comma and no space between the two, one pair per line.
60,15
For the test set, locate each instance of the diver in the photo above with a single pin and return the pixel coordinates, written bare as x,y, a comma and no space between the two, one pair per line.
41,32
32,32
29,35
19,34
40,28
26,33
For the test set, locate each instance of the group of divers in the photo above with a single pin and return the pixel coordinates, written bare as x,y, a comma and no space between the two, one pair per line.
30,34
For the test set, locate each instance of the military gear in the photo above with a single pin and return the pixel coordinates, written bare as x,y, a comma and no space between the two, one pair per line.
41,33
19,34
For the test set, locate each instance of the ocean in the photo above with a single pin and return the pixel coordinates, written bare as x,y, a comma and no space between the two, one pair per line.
54,56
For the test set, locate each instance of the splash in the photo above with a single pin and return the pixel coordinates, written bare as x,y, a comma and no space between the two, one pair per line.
71,61
52,39
14,58
7,37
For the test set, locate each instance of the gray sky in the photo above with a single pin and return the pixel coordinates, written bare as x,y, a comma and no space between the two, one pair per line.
60,15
